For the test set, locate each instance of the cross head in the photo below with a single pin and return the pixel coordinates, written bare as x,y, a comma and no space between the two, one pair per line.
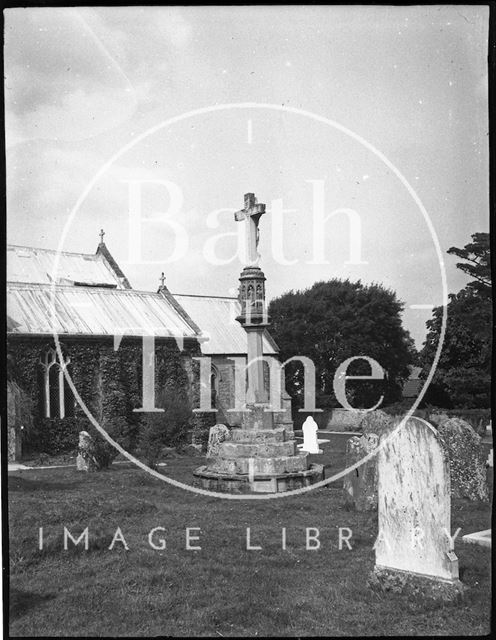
252,208
251,213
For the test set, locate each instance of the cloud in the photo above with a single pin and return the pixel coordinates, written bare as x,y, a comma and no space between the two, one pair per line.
62,80
160,27
81,82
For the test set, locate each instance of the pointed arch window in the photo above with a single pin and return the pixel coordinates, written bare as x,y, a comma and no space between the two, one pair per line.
58,399
214,387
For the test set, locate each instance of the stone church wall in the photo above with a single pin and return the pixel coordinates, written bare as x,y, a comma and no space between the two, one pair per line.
109,383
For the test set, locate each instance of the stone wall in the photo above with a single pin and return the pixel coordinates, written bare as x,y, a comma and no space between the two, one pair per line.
338,419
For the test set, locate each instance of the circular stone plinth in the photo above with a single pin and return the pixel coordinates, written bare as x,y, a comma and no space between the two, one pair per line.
242,483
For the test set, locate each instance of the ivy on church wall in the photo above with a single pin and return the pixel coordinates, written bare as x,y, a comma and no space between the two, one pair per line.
110,384
202,420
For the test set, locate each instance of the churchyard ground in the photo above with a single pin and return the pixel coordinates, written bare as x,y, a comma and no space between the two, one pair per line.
223,589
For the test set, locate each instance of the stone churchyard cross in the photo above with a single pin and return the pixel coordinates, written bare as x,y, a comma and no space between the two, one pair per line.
252,213
258,454
253,316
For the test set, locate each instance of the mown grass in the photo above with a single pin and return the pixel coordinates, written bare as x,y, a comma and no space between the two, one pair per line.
224,589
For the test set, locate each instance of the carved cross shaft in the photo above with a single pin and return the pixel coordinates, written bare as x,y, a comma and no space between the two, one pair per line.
252,212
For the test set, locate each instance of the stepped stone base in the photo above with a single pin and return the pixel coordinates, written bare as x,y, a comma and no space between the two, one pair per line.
243,483
261,465
259,457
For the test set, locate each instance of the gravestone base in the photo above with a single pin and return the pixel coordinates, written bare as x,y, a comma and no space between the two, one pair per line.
416,586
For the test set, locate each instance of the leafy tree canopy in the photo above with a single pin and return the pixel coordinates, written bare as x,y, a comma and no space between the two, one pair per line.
336,320
463,374
476,257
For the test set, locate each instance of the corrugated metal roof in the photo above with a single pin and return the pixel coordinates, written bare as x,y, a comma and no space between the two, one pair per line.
91,311
217,318
27,264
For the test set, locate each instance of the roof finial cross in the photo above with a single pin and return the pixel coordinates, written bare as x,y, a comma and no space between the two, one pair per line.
162,280
102,233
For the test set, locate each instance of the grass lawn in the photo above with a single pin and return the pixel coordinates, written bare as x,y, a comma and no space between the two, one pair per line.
222,589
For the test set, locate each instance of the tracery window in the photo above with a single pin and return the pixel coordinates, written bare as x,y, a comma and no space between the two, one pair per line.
214,387
58,399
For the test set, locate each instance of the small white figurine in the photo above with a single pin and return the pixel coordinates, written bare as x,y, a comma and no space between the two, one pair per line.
310,441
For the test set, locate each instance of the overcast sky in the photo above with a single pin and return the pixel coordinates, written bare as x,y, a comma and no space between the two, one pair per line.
82,83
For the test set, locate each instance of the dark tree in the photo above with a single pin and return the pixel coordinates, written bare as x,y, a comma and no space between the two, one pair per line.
476,256
336,320
463,374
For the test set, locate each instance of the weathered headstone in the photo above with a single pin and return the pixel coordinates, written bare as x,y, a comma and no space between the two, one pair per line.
360,484
466,460
490,459
16,398
310,440
414,544
86,460
218,433
488,439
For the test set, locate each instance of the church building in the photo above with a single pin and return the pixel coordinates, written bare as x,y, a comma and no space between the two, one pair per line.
90,303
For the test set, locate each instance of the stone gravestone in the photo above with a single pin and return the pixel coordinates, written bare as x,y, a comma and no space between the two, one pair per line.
310,440
360,484
19,413
466,460
487,441
218,433
13,433
86,460
414,551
